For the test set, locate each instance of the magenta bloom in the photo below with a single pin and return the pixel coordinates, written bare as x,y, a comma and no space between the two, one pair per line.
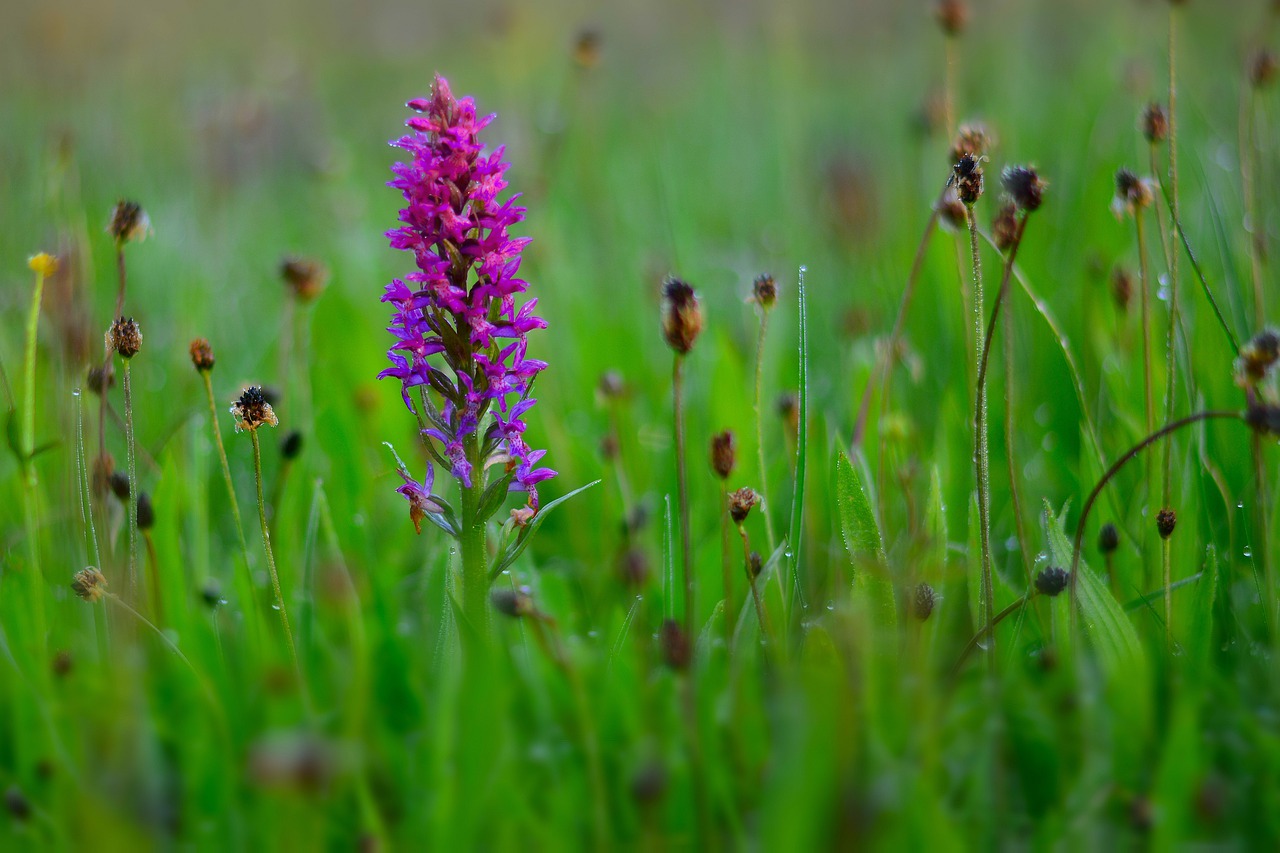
457,326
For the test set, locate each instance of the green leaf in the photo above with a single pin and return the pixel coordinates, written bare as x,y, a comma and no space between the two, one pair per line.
495,495
516,548
863,542
802,449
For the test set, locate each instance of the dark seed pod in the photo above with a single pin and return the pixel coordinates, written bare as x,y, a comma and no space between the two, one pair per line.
16,804
923,601
89,584
971,139
1121,287
146,512
968,179
649,783
741,502
586,49
1257,357
119,483
512,602
1004,227
1263,418
677,651
764,291
1155,123
1025,186
633,567
304,277
252,410
681,316
1166,521
291,444
952,15
755,564
95,379
1263,68
63,663
1108,538
128,222
125,337
211,593
723,454
612,386
202,355
1052,581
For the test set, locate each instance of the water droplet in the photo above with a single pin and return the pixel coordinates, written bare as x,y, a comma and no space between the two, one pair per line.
984,643
75,392
1248,552
831,605
275,607
787,553
593,634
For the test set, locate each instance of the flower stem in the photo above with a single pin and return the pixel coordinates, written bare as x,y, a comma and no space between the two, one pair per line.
764,489
682,486
271,560
725,570
982,464
133,483
475,573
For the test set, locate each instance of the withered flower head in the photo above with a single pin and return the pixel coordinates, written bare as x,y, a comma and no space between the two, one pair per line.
89,584
681,316
512,602
950,211
103,468
1263,418
1257,357
1263,68
119,482
95,379
1166,520
1108,538
677,651
755,564
306,278
202,355
923,601
1132,194
968,179
252,410
741,503
1121,287
146,512
1155,123
125,337
723,454
972,139
764,291
129,222
586,49
1052,581
291,444
1025,186
952,15
1004,227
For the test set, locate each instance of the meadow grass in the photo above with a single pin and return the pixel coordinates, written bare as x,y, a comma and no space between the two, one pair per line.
1136,707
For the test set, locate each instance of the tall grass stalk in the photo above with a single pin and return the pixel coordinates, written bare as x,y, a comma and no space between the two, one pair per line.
27,447
759,412
271,564
981,461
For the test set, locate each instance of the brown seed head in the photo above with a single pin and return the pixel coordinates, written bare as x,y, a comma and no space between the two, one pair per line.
1257,358
923,601
305,278
95,379
63,663
1004,227
103,468
1108,538
252,410
1155,123
1121,287
1263,418
951,211
755,564
512,602
1052,581
633,567
1025,186
129,222
677,651
89,584
968,179
741,503
1263,68
681,316
1132,194
972,139
146,512
952,15
764,291
119,482
125,337
1166,520
202,355
586,49
723,454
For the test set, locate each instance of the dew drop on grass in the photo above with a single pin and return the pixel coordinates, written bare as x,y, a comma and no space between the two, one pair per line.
787,553
1248,552
75,392
275,607
831,605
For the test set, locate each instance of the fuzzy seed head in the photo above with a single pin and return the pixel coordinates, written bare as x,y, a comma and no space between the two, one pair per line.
1166,521
1132,194
923,601
1025,186
723,454
951,212
972,139
1257,358
304,277
1004,227
89,584
43,264
1052,581
202,355
252,410
125,337
129,222
681,315
952,15
741,503
755,565
1155,123
1263,419
764,291
968,179
1108,538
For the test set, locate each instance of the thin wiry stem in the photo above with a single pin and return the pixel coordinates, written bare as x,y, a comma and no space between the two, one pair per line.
133,483
271,560
981,459
763,487
1249,169
987,629
682,487
231,490
726,576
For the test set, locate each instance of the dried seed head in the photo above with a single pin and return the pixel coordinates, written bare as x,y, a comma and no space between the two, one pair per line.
681,316
291,444
586,49
63,664
972,139
512,602
125,337
1108,538
755,564
103,468
1132,194
764,291
1004,227
741,503
1155,123
1121,287
633,567
1052,581
723,454
923,601
119,483
1025,186
1263,68
129,222
43,264
89,584
202,355
612,386
305,278
951,212
952,15
95,379
677,652
1257,358
252,410
1166,520
1264,419
146,512
968,179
